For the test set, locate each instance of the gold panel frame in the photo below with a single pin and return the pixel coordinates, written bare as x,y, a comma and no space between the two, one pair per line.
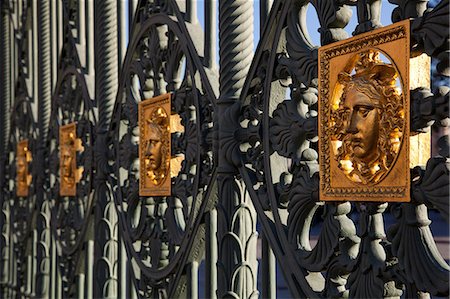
23,177
364,117
69,174
155,146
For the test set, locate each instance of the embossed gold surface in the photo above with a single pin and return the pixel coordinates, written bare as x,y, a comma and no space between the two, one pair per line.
364,116
154,146
420,144
70,175
23,177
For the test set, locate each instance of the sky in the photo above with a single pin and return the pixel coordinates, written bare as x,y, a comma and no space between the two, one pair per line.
311,17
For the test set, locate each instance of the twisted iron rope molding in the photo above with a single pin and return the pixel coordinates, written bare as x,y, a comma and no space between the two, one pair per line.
6,80
106,57
5,84
236,45
106,51
235,207
44,69
44,102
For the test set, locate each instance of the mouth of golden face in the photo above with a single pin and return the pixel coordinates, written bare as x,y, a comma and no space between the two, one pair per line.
150,163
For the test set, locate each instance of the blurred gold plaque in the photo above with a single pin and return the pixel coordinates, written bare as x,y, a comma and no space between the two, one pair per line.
154,146
23,178
69,145
364,116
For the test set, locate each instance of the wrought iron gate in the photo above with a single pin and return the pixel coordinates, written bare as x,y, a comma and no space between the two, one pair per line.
244,154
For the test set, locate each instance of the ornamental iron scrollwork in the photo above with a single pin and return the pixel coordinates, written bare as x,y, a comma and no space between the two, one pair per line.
20,169
163,233
21,198
71,108
358,252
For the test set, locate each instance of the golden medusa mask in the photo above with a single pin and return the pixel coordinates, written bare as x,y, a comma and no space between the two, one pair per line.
154,146
368,119
23,177
70,175
364,138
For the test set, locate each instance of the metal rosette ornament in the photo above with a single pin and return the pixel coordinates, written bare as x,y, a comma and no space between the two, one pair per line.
163,232
71,165
334,248
21,175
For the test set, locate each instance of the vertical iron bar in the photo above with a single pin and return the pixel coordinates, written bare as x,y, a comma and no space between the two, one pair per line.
54,40
193,280
133,288
59,286
53,269
122,46
191,11
211,255
80,285
60,25
132,11
210,32
90,269
264,9
124,287
29,274
123,26
33,55
13,269
269,283
90,39
81,23
34,263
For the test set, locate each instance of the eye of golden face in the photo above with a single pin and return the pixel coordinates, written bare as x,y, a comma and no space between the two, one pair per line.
364,111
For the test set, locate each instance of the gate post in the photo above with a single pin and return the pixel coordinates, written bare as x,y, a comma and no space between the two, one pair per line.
106,222
237,236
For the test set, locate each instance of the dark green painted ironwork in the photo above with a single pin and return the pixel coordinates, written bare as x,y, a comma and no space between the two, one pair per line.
249,146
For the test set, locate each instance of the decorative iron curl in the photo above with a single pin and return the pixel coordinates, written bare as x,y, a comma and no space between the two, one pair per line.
70,216
162,59
352,256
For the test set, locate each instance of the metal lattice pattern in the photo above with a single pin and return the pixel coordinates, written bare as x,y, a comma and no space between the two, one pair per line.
246,143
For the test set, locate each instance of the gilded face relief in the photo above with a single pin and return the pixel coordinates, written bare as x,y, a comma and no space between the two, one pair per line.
23,178
69,173
154,146
363,115
368,118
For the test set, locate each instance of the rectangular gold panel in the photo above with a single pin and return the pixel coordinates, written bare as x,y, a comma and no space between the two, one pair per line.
69,174
364,117
23,177
155,146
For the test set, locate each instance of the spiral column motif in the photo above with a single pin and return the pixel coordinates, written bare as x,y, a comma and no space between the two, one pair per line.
43,206
237,236
6,79
106,57
236,45
5,95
